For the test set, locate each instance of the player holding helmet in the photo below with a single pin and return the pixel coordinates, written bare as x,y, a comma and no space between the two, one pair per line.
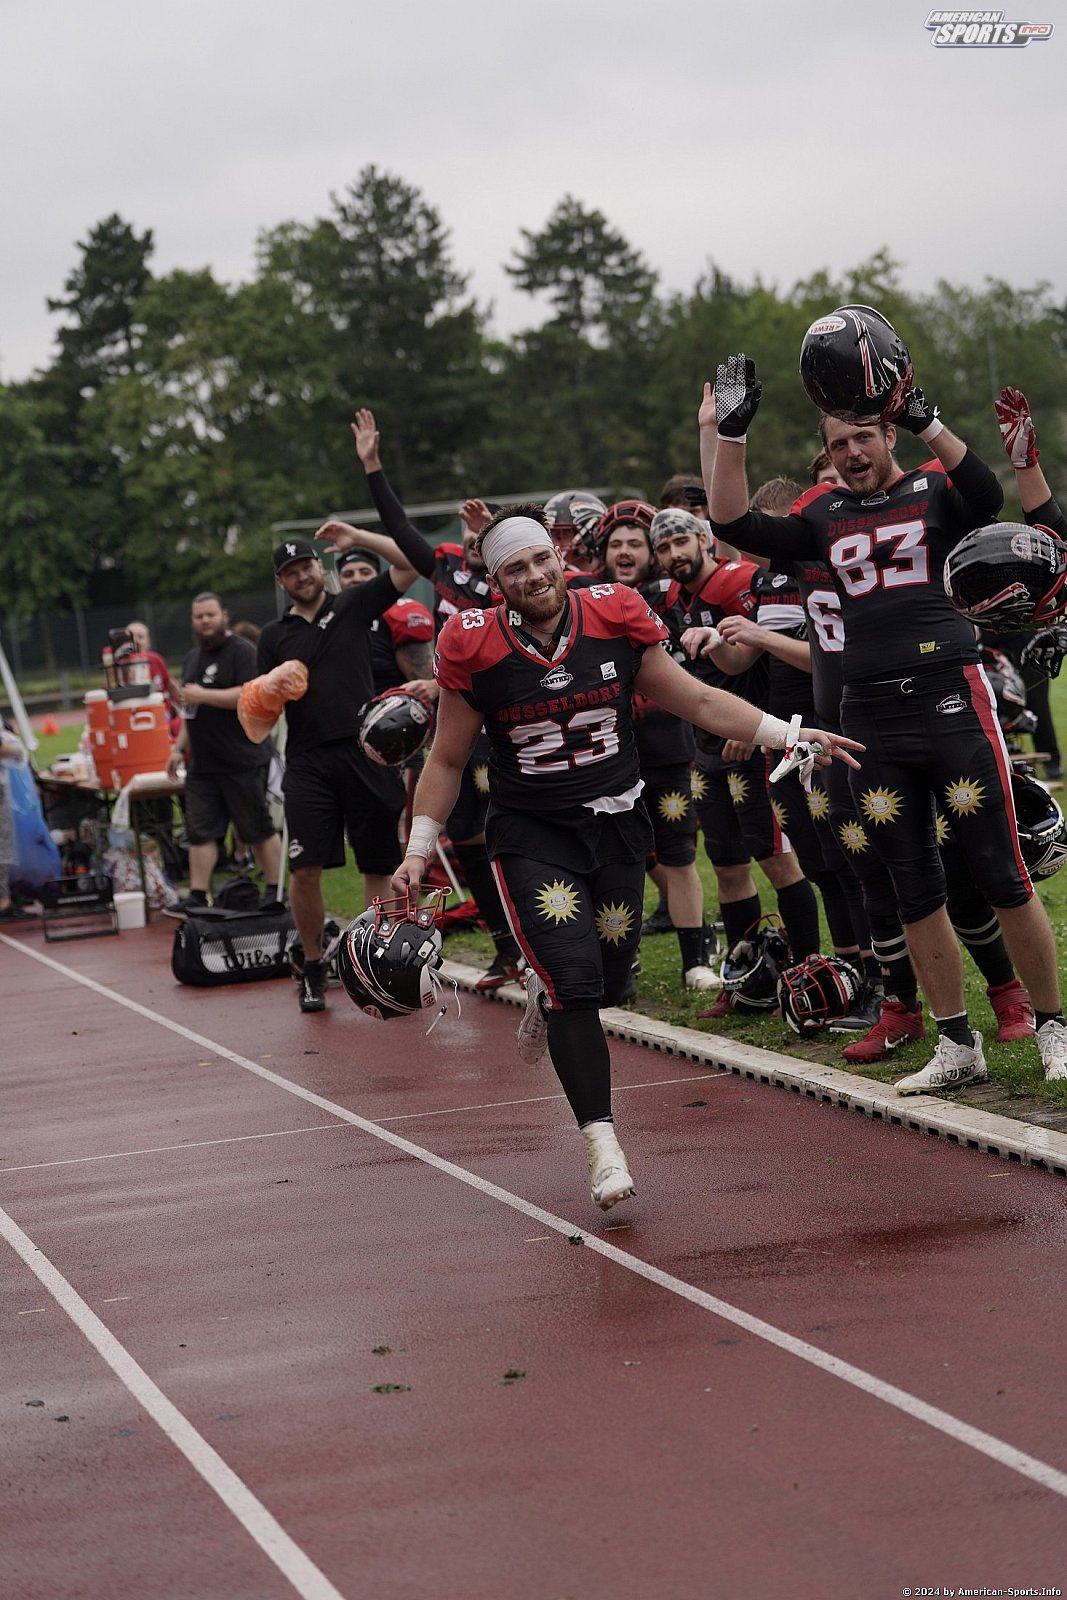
551,674
914,691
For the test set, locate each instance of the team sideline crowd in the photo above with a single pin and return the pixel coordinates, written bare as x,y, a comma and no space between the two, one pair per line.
825,682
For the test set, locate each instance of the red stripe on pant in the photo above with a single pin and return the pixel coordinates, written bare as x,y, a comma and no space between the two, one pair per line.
985,704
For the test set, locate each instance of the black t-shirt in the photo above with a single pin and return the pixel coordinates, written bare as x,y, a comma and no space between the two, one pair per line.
780,609
217,742
336,649
825,634
887,554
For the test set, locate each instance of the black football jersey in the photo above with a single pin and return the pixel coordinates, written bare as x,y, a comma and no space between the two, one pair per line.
408,622
457,587
780,609
825,633
726,593
887,554
560,730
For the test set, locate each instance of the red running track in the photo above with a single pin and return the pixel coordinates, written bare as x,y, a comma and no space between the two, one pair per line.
209,1274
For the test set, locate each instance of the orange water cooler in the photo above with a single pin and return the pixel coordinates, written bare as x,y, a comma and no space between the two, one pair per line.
140,740
97,715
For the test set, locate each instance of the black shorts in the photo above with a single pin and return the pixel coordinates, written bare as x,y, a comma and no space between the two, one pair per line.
328,792
936,744
215,799
734,809
668,798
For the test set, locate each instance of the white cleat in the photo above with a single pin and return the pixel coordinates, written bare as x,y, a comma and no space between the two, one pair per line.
532,1035
609,1176
1052,1042
952,1066
702,978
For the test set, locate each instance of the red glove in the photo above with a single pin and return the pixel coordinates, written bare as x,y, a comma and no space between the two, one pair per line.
1017,428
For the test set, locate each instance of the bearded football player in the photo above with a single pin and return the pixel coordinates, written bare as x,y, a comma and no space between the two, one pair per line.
914,691
551,674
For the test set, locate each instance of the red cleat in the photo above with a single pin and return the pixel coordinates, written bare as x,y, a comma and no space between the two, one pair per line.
503,970
1013,1010
896,1025
721,1008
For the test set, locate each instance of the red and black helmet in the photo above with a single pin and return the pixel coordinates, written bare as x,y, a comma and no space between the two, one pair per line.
816,992
855,366
1008,576
387,957
624,514
394,726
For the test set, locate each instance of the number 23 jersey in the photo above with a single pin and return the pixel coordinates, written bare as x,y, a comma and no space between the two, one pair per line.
560,730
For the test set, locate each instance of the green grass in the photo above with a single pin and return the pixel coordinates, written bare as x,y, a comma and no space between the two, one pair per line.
1017,1086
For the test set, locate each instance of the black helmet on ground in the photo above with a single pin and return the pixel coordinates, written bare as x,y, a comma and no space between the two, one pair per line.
1042,829
750,971
817,991
855,366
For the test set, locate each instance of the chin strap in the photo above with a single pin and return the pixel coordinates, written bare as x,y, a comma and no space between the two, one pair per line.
441,999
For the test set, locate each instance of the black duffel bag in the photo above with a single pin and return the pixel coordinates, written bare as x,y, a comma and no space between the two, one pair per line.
216,946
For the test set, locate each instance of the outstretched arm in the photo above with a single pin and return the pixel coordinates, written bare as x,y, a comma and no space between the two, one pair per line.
394,518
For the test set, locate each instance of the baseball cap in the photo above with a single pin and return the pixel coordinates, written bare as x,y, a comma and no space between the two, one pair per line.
354,553
293,550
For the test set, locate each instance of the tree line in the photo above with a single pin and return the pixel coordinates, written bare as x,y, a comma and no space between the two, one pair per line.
181,416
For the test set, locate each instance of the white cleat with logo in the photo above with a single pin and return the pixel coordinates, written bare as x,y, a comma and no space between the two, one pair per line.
1052,1042
952,1066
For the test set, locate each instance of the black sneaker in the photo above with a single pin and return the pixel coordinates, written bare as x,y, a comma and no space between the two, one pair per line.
866,1009
658,921
313,987
193,902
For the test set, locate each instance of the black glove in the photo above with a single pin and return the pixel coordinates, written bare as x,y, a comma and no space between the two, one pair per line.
737,396
916,414
1044,653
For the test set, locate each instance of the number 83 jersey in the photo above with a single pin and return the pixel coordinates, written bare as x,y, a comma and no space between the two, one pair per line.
560,729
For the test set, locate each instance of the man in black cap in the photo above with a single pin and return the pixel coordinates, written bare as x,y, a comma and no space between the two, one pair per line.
330,786
402,637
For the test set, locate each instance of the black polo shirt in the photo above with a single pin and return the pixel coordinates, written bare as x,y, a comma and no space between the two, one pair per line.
335,646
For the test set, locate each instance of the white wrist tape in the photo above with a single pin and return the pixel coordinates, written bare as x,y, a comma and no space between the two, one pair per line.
929,434
422,840
773,733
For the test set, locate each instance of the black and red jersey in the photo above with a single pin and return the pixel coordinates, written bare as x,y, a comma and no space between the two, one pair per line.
560,730
780,609
727,592
456,586
887,554
408,622
825,634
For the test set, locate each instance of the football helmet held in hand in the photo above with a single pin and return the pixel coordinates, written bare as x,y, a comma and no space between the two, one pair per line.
1007,576
394,727
387,957
855,366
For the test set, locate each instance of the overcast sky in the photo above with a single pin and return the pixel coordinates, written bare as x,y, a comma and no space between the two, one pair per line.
766,137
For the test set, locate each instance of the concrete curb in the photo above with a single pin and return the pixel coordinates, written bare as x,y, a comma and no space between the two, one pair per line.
963,1125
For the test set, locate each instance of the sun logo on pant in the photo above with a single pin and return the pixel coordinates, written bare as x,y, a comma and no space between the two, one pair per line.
738,787
881,805
818,802
781,816
964,795
941,829
673,807
853,837
480,777
558,902
698,784
613,923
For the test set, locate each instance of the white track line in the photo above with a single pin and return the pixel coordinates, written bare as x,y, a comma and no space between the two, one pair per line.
164,1149
944,1422
253,1516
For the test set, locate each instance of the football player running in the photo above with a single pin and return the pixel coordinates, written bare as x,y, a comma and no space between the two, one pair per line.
551,674
913,688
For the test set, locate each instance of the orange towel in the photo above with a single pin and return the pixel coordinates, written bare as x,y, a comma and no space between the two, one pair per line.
262,699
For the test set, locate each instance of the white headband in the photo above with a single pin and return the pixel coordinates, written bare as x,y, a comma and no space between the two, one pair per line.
510,536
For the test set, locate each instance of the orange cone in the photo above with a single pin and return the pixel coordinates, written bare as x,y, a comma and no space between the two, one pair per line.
49,725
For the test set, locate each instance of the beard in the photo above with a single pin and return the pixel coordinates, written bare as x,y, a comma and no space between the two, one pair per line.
543,607
212,641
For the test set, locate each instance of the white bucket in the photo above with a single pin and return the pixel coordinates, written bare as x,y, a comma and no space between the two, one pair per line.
130,910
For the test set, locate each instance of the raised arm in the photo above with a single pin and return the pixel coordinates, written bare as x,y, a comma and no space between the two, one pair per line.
395,520
978,490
